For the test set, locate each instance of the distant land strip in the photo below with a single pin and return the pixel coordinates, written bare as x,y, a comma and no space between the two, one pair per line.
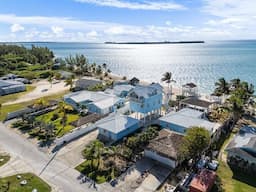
156,42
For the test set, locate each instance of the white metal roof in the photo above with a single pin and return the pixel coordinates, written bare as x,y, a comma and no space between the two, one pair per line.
188,118
118,89
147,91
117,123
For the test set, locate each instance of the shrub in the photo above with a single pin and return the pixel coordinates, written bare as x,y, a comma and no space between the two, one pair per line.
45,74
55,116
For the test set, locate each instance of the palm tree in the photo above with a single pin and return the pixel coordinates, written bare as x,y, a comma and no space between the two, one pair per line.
40,103
63,107
104,66
49,129
50,79
70,82
167,78
94,151
235,83
222,87
236,107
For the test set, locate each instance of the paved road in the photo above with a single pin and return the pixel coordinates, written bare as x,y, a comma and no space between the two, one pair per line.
55,172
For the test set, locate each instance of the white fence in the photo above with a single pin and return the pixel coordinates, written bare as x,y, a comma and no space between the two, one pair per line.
75,134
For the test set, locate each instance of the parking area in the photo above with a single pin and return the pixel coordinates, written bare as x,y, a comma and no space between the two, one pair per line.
145,176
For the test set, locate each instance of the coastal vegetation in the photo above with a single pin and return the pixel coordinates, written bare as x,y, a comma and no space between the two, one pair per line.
14,183
105,163
238,94
25,62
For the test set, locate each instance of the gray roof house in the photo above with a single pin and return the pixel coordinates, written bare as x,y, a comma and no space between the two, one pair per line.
164,148
243,145
10,86
85,83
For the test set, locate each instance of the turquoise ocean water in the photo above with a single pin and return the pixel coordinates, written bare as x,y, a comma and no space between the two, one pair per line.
202,64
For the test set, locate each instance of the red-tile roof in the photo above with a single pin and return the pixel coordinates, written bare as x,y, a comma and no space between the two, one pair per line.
203,181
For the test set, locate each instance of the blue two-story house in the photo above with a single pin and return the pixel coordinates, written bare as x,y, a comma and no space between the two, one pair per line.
146,100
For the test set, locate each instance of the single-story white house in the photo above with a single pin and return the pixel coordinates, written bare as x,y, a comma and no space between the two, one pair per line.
95,102
117,126
11,86
186,118
164,148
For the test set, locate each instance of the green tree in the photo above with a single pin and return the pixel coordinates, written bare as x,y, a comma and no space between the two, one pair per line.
50,79
70,81
94,152
196,140
222,87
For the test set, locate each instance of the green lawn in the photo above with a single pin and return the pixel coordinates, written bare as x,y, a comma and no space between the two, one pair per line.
14,107
4,159
14,96
33,182
60,129
235,181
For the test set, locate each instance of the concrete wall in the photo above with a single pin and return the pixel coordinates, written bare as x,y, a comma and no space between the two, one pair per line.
159,158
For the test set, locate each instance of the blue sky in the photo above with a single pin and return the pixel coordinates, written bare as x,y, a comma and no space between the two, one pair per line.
126,20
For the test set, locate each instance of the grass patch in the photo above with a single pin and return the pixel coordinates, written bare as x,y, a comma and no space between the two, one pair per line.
233,181
4,159
33,182
60,130
14,107
14,96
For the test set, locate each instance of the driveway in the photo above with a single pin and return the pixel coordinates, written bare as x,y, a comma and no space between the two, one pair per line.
38,93
27,157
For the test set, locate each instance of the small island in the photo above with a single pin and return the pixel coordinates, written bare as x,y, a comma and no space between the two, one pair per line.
155,42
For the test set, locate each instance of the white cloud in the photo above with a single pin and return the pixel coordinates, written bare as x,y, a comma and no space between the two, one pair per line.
237,16
142,5
16,28
230,8
92,34
40,28
57,30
